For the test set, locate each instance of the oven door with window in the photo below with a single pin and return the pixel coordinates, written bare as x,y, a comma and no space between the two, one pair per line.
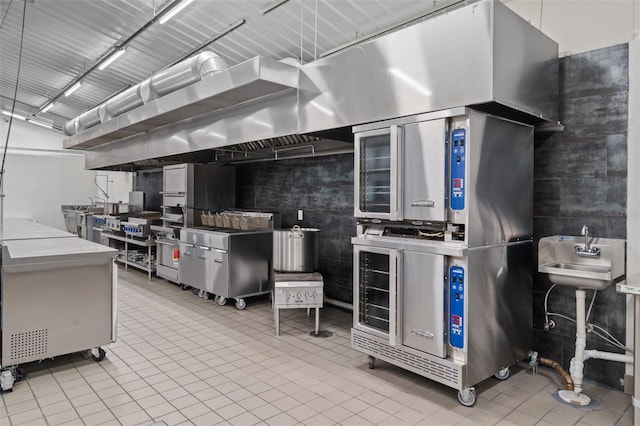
400,172
377,272
376,174
400,296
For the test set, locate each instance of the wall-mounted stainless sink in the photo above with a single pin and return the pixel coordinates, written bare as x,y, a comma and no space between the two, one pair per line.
560,257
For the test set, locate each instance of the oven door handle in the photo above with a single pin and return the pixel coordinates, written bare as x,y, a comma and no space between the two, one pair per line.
186,248
395,296
164,243
423,203
395,139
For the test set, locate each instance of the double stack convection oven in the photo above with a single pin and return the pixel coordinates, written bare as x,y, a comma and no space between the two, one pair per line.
442,256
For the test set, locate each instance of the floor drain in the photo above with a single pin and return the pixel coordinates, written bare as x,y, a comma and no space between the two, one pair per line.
322,333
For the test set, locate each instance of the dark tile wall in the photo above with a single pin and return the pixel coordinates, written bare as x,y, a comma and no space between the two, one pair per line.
149,182
581,178
323,188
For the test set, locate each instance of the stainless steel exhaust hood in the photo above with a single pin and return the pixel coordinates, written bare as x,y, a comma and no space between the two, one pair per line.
249,80
482,56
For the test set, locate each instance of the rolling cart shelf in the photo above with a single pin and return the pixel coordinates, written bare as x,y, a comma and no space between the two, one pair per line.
149,243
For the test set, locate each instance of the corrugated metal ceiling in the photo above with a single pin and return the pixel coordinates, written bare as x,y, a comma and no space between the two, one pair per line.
65,38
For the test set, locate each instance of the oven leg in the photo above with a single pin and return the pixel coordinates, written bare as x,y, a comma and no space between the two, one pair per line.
317,320
276,314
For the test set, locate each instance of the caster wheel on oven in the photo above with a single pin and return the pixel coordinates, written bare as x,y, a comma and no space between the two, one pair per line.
502,374
19,374
240,304
98,354
372,362
184,287
467,397
220,300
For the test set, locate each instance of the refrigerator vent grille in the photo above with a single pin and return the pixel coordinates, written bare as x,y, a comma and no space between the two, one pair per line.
421,365
29,344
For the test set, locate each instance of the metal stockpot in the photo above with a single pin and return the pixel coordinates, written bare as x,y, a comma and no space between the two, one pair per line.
296,250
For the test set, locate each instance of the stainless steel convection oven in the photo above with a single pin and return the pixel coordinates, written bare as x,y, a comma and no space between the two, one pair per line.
442,274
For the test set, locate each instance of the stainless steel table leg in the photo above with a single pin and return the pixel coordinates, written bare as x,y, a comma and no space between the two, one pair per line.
276,313
308,309
317,320
126,256
149,261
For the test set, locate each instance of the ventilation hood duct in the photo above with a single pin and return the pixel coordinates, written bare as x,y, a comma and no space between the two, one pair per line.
161,83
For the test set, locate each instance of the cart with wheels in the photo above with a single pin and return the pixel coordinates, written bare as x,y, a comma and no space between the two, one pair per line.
58,295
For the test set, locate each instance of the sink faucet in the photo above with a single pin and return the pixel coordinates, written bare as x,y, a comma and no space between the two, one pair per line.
586,250
585,232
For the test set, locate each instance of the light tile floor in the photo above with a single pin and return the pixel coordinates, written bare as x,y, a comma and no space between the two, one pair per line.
184,360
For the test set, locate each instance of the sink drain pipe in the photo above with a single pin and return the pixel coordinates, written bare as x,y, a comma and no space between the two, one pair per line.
576,397
565,376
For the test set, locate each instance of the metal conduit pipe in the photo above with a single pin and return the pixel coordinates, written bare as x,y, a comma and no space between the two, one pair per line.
159,84
338,303
553,364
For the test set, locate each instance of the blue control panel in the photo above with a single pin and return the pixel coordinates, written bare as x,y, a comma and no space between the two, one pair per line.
456,306
458,181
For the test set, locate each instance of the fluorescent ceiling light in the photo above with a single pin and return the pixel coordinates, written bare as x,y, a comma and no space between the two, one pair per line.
112,57
173,12
37,123
273,6
73,88
14,115
48,107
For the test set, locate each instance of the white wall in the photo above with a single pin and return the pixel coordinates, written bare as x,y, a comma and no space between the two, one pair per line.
582,25
40,176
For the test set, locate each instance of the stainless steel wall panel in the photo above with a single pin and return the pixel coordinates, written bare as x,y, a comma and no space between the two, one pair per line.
499,314
500,181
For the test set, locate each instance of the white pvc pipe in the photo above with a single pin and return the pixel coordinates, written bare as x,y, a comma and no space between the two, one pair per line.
577,364
608,356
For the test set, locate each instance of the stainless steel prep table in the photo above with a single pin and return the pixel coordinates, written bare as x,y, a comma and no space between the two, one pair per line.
57,293
149,243
227,263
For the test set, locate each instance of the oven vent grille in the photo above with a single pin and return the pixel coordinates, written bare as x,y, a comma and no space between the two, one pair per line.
28,344
420,365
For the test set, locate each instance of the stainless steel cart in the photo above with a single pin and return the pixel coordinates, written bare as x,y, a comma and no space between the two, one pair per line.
58,295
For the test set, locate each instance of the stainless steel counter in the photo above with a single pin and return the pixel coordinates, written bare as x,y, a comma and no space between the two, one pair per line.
58,294
226,263
22,229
